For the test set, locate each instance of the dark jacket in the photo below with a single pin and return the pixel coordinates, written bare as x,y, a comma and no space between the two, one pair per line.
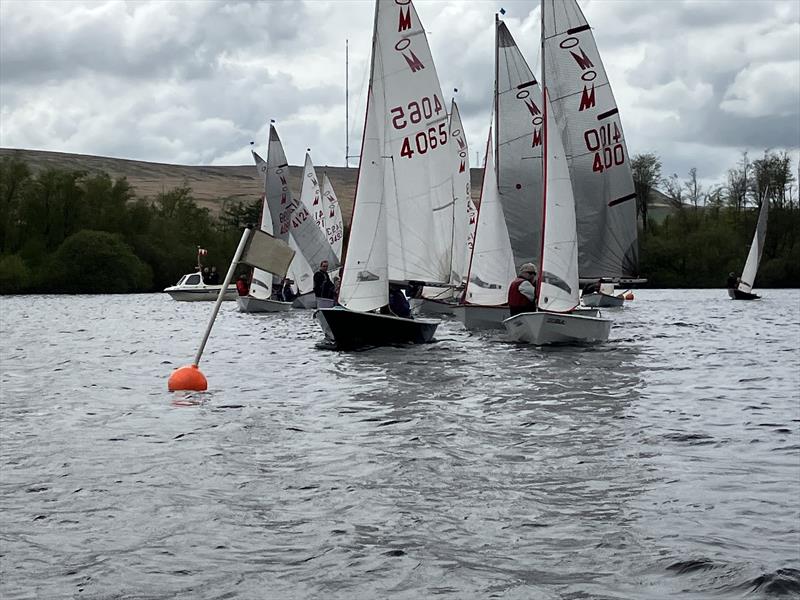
323,286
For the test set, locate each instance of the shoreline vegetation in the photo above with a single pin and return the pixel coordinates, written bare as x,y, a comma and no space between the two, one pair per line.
67,227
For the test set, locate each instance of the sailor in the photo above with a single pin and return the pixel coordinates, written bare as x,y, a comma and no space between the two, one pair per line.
323,286
287,293
522,291
241,285
733,281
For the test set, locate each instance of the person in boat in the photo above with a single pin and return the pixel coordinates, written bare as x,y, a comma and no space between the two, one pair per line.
733,281
522,291
398,304
241,285
213,276
206,275
592,288
287,293
323,286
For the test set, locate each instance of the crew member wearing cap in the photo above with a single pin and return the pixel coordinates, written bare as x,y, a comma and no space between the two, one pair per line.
522,291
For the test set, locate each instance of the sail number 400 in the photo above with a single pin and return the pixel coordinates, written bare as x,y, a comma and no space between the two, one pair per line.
424,141
604,142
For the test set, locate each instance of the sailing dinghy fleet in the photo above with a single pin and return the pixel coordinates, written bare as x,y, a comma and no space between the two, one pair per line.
557,192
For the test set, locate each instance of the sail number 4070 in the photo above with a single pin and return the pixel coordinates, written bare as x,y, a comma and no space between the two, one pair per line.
604,142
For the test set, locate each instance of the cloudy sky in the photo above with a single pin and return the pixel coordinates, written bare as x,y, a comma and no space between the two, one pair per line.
194,82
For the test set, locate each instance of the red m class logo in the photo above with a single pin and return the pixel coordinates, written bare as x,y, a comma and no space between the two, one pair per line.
404,24
405,19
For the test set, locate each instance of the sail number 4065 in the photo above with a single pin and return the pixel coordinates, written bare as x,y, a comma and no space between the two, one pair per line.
604,142
414,112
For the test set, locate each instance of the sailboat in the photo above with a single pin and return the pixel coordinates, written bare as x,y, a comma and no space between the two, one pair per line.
259,297
511,196
744,288
334,226
599,165
556,321
404,172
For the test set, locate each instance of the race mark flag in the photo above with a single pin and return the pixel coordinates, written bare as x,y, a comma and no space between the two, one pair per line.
267,253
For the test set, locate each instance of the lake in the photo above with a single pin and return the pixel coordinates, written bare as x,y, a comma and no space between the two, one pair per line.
663,464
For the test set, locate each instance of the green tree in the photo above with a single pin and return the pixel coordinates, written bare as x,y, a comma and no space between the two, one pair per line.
646,175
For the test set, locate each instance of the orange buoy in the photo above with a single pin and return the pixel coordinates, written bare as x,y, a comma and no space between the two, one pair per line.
629,296
188,378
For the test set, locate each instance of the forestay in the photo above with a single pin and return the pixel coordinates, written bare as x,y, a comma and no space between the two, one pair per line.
405,169
599,163
492,266
334,227
756,249
519,147
558,286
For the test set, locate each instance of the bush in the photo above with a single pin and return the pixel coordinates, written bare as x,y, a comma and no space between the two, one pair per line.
15,276
96,262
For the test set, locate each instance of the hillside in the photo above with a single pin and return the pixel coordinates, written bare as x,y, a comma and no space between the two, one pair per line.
211,186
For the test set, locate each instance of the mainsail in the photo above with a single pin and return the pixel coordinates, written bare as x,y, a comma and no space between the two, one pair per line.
599,163
310,196
461,197
519,146
334,228
405,169
756,248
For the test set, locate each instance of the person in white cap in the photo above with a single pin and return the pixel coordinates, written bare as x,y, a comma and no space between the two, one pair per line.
522,291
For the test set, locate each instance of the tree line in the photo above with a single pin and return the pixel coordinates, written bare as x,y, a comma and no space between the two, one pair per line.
709,229
67,231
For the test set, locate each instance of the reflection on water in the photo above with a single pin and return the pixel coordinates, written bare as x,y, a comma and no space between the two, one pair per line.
665,463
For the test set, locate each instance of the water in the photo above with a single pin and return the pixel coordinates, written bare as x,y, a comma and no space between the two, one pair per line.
664,464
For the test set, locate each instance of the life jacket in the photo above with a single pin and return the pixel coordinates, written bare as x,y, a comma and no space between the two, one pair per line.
517,301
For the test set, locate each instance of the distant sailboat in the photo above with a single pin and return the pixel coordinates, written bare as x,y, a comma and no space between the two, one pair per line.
599,164
405,172
744,289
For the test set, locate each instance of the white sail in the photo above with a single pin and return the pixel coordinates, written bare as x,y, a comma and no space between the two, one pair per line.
261,281
288,213
406,166
461,197
365,278
310,196
756,248
300,271
492,266
558,286
599,163
472,220
334,227
519,147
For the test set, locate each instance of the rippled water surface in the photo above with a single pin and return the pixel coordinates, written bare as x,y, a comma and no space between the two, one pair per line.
663,464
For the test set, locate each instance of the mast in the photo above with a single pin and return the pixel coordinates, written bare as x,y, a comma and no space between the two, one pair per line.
545,103
347,103
496,103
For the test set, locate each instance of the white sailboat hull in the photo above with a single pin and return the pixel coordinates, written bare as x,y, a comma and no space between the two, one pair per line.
476,317
308,300
545,328
597,300
249,304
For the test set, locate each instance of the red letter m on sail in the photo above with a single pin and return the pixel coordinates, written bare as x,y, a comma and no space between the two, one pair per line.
582,60
587,98
405,20
532,108
413,62
537,138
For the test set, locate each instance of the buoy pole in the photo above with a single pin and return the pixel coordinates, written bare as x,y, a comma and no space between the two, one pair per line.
222,291
190,377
